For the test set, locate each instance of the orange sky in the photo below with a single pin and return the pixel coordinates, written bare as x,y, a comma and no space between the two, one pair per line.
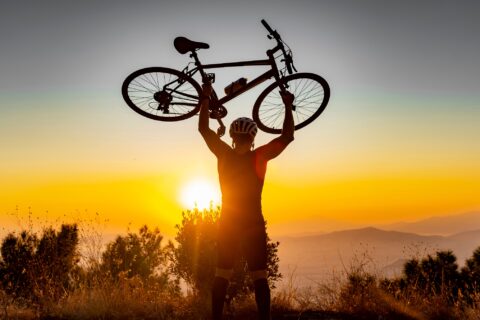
292,203
399,140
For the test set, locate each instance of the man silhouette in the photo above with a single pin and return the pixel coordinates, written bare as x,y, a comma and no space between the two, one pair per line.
241,170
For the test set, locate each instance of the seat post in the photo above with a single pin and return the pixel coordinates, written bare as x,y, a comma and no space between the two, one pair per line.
198,64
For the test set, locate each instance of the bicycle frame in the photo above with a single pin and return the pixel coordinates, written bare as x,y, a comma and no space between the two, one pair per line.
142,90
273,72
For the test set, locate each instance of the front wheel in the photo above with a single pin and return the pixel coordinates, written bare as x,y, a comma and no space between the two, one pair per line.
162,94
311,97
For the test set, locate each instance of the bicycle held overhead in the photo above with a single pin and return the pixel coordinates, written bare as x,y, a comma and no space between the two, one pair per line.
166,94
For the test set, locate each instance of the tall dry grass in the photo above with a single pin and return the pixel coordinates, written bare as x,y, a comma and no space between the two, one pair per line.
356,293
360,296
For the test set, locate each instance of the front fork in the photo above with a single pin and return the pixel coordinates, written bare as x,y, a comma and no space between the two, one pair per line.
276,73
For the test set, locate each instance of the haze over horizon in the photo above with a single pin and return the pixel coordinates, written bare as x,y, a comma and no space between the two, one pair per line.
398,142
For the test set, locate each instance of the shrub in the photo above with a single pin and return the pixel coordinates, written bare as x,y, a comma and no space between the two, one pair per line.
433,275
137,256
471,273
35,269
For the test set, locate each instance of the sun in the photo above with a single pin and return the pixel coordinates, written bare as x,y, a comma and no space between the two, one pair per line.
200,193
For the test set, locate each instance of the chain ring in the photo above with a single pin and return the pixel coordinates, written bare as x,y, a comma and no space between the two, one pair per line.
219,113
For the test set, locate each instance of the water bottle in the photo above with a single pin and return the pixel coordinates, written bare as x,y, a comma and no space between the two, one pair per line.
235,86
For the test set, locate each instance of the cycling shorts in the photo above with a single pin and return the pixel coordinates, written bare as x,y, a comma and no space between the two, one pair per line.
238,239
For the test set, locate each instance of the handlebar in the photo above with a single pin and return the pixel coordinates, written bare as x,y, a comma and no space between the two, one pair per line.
265,24
274,33
288,59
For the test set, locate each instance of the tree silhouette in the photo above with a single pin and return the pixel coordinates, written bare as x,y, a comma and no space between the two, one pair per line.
38,269
436,275
136,255
194,257
56,259
471,273
18,254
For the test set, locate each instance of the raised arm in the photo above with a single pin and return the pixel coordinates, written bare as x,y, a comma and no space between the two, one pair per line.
214,143
277,145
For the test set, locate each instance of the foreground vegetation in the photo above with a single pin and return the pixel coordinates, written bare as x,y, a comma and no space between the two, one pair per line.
63,274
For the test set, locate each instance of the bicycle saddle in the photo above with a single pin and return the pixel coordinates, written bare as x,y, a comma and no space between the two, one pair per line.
183,45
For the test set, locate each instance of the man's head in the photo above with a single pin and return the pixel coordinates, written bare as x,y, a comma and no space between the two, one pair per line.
243,131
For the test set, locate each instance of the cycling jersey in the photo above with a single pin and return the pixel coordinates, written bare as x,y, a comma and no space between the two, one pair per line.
241,181
242,227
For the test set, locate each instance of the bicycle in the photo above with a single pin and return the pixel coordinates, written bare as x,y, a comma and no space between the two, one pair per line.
171,95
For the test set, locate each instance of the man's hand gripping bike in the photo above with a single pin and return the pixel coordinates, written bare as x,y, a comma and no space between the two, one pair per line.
170,95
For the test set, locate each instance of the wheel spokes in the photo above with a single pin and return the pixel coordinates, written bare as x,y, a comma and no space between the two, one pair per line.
144,91
308,98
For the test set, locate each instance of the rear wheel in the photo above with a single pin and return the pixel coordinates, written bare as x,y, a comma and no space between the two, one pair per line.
162,94
311,97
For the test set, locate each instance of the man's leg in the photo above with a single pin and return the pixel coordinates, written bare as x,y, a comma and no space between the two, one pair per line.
226,251
262,293
219,291
256,253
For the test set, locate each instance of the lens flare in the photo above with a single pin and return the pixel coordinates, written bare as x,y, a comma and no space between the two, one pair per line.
200,193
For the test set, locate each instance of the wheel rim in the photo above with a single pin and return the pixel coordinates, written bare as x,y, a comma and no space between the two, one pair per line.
161,95
309,102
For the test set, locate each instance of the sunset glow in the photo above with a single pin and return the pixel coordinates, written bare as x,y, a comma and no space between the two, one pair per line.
398,141
199,193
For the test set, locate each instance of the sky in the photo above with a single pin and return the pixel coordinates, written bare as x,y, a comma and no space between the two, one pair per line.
399,140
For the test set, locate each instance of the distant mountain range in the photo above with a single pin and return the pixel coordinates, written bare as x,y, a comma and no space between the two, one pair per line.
438,225
318,257
444,225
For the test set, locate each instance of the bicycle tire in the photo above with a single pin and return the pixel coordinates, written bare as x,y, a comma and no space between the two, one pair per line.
311,92
145,92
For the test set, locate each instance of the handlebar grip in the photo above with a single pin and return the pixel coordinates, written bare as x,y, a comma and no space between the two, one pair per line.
265,24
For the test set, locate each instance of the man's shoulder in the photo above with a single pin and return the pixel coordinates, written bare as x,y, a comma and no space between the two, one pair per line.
225,152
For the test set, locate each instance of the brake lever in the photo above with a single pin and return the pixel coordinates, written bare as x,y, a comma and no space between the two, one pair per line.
290,62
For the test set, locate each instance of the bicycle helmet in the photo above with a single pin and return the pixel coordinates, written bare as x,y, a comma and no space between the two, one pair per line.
243,126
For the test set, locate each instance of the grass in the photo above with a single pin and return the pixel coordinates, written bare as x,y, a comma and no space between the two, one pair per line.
356,294
358,297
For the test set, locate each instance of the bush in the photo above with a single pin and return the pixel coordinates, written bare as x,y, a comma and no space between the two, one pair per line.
36,269
471,273
432,276
137,256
